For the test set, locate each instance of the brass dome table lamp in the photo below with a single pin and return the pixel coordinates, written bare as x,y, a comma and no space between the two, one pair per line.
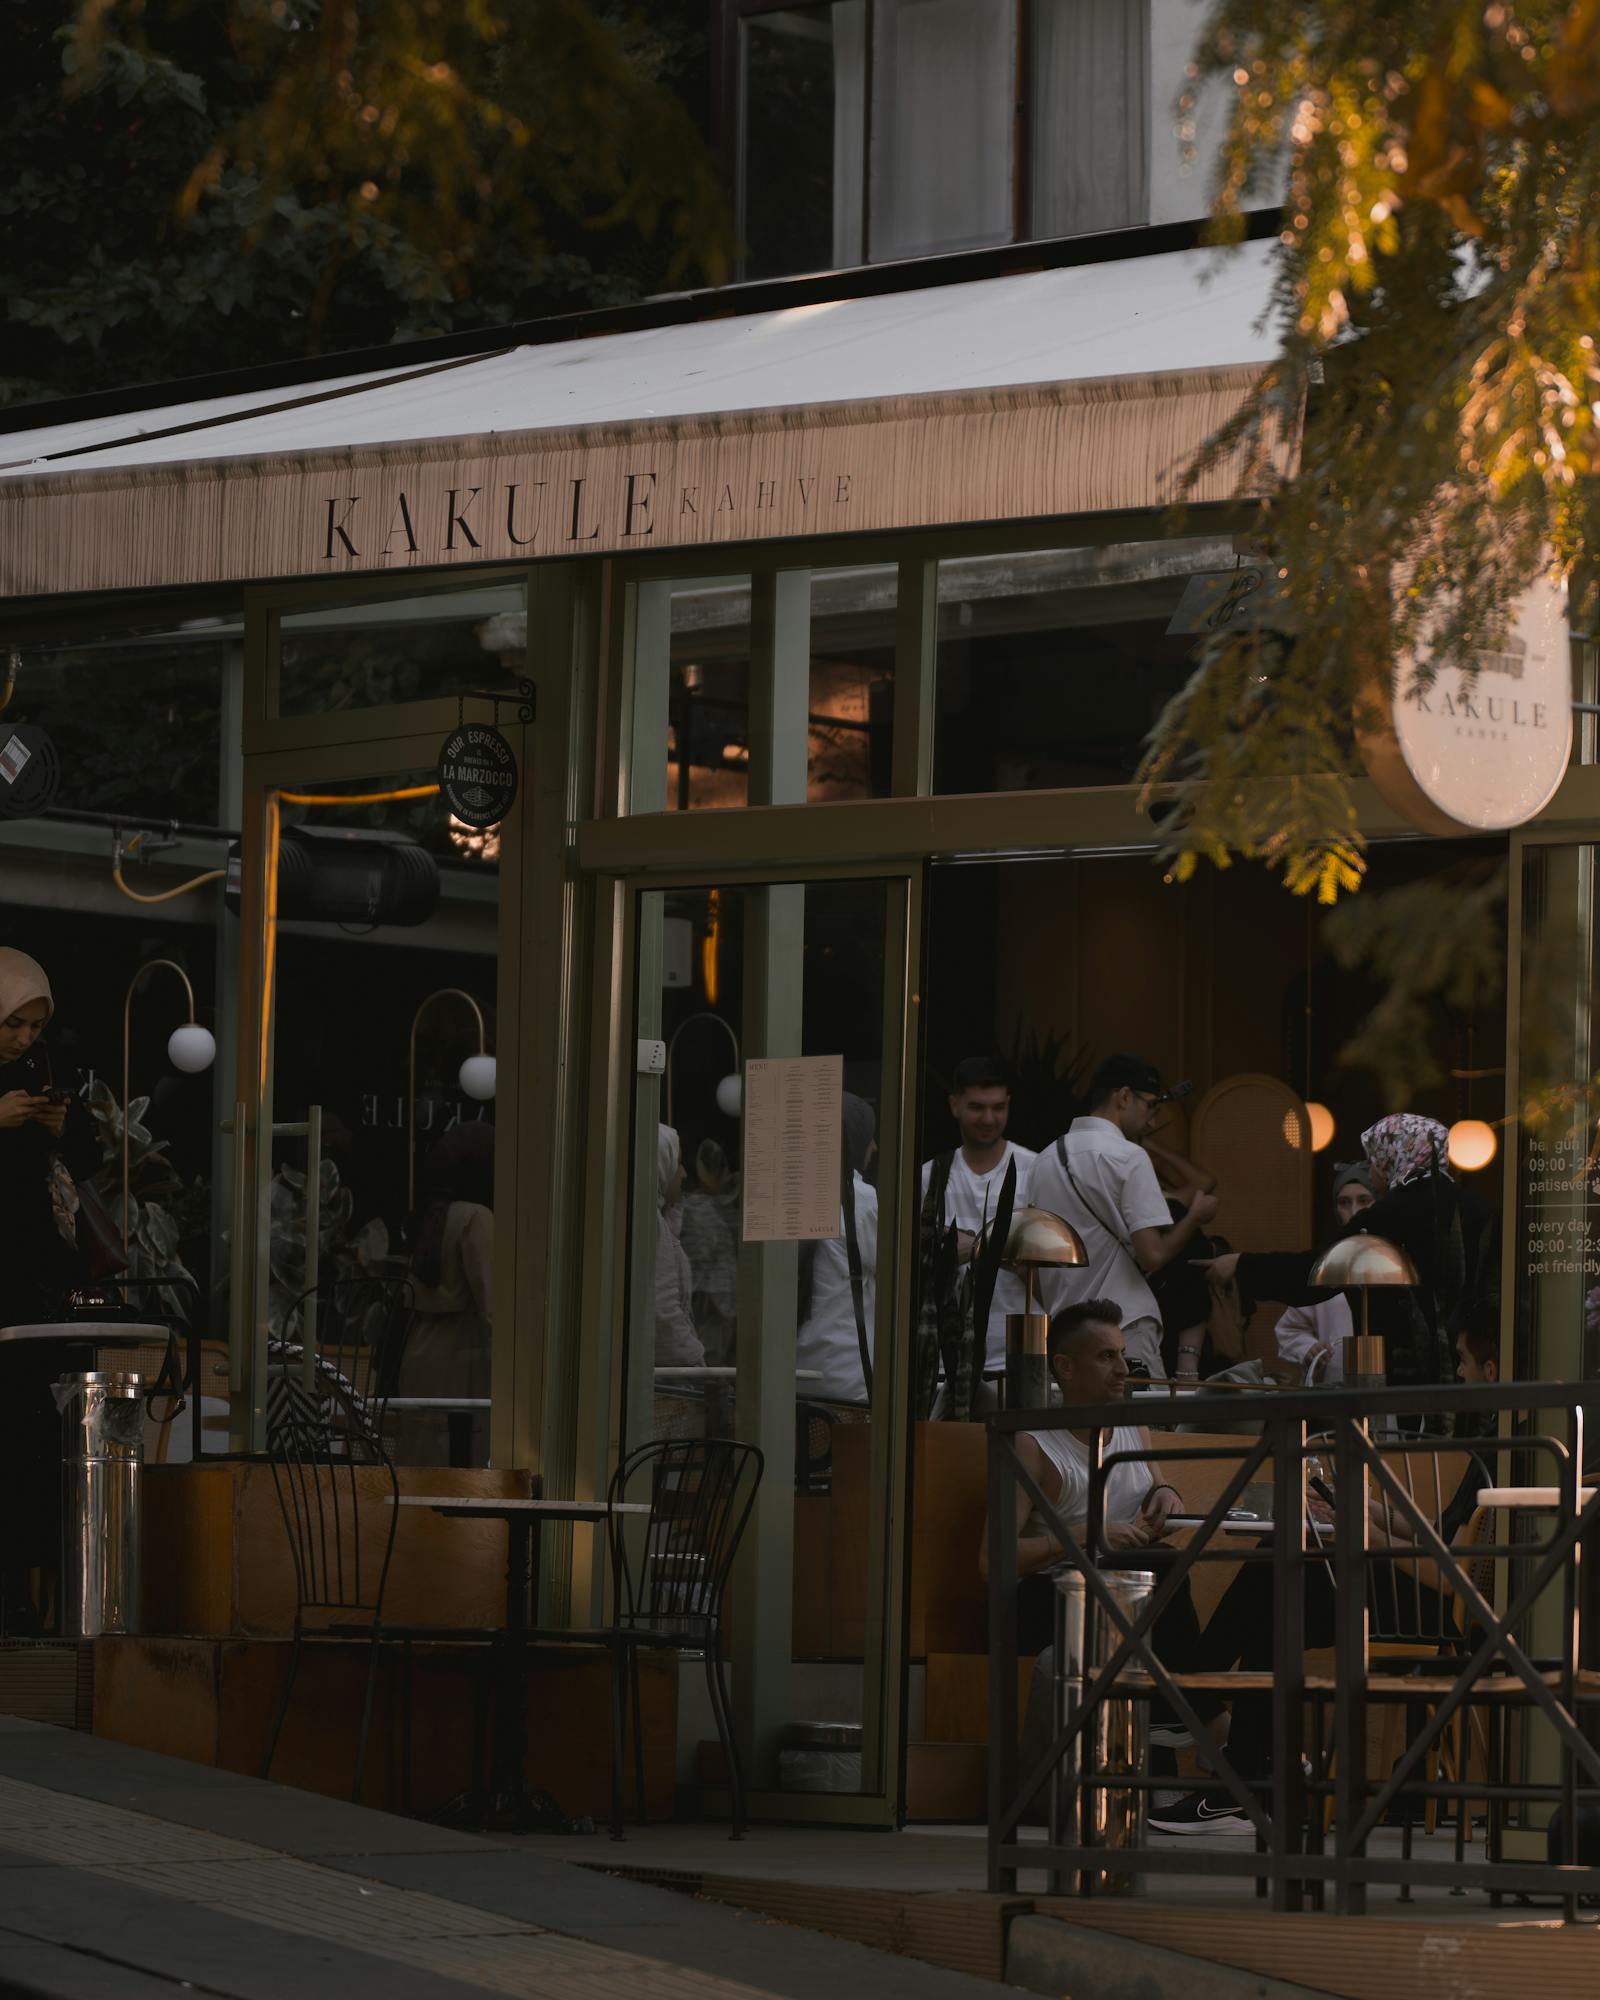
1038,1241
1356,1264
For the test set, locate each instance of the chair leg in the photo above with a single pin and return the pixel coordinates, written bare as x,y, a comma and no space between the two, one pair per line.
717,1689
638,1735
407,1698
366,1719
619,1667
283,1708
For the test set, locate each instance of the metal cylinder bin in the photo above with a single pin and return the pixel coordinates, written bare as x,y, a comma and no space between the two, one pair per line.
1117,1739
102,1449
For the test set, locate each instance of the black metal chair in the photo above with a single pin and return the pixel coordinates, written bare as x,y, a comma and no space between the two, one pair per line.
670,1576
362,1325
319,1445
316,1471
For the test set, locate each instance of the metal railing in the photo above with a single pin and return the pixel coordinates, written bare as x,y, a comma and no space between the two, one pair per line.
1538,1425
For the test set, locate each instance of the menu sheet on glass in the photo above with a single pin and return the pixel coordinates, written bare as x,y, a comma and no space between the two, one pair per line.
793,1107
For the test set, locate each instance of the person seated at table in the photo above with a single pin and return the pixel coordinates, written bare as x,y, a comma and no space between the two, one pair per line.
838,1277
1089,1362
1446,1231
1312,1337
1401,1596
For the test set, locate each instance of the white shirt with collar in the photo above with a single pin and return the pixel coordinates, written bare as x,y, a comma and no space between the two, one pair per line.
1119,1194
969,1202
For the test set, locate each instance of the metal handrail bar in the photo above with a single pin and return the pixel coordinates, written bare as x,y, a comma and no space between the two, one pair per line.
1341,1416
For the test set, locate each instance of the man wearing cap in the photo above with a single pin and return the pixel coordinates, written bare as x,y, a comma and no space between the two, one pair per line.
1098,1177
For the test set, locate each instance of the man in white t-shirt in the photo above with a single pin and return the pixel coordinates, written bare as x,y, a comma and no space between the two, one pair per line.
1099,1178
980,1103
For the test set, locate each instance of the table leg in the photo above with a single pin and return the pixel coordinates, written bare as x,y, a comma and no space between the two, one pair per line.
512,1805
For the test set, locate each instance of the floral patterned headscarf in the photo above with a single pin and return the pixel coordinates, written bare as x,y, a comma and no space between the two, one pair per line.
1404,1146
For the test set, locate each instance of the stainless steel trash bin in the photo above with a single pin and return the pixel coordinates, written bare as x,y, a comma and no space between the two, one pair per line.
1117,1738
102,1449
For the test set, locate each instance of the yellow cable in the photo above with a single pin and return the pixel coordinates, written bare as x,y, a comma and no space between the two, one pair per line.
165,895
358,798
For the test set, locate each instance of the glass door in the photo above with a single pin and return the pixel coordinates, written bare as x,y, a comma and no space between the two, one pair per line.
372,1118
765,1299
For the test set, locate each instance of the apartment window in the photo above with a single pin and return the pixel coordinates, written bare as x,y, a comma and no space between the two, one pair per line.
865,130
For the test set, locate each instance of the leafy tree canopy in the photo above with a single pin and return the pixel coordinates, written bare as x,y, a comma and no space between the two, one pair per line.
189,187
1438,276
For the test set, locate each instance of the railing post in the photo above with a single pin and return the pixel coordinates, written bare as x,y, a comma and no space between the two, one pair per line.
1350,1656
1002,1649
1288,1664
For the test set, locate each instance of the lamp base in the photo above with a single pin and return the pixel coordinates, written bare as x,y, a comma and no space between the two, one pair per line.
1027,1361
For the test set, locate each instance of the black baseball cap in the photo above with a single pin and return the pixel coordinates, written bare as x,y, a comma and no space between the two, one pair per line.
1133,1073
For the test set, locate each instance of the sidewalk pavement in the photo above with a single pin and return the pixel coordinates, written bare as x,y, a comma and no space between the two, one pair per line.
128,1876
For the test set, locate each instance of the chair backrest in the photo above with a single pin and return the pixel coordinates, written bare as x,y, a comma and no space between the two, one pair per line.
319,1472
362,1325
673,1575
1408,1601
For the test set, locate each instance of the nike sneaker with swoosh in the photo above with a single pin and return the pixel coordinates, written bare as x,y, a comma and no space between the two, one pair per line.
1201,1812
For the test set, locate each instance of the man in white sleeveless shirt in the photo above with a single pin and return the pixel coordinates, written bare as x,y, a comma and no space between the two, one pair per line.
1088,1360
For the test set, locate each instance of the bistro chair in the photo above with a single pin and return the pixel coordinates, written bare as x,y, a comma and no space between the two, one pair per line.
670,1578
340,1578
362,1326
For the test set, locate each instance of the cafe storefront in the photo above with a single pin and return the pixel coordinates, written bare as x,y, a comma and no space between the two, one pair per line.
824,639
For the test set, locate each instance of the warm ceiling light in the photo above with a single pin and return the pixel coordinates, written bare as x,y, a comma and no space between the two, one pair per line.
1472,1144
1322,1127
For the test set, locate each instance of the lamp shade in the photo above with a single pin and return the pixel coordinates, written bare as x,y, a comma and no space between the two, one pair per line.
1039,1240
191,1048
477,1077
1322,1126
1363,1260
730,1096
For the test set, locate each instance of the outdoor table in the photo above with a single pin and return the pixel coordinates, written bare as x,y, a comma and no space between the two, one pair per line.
88,1333
1533,1497
511,1804
705,1372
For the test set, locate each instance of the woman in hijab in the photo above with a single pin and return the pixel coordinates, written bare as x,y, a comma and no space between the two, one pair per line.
838,1278
40,1261
1418,1206
447,1351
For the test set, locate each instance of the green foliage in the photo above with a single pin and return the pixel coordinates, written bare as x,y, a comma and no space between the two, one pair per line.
1437,286
189,187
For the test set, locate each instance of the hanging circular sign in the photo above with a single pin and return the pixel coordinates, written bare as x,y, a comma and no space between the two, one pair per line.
478,774
30,771
1478,749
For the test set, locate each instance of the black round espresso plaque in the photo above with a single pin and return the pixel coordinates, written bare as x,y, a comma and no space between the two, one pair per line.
30,771
478,774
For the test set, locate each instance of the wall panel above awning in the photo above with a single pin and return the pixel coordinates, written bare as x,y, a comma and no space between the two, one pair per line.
1055,392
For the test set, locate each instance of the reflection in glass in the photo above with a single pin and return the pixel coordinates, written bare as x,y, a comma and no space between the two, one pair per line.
801,129
393,1180
1055,663
708,706
852,682
378,653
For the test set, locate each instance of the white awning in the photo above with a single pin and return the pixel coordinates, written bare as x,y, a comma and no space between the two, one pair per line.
1140,358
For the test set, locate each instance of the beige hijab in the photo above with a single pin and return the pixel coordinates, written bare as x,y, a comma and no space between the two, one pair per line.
22,979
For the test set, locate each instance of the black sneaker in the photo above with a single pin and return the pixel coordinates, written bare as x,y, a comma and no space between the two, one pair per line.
1201,1812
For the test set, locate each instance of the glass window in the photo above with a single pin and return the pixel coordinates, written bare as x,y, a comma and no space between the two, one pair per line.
1087,104
851,722
1054,664
708,702
383,1107
801,134
943,98
382,652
